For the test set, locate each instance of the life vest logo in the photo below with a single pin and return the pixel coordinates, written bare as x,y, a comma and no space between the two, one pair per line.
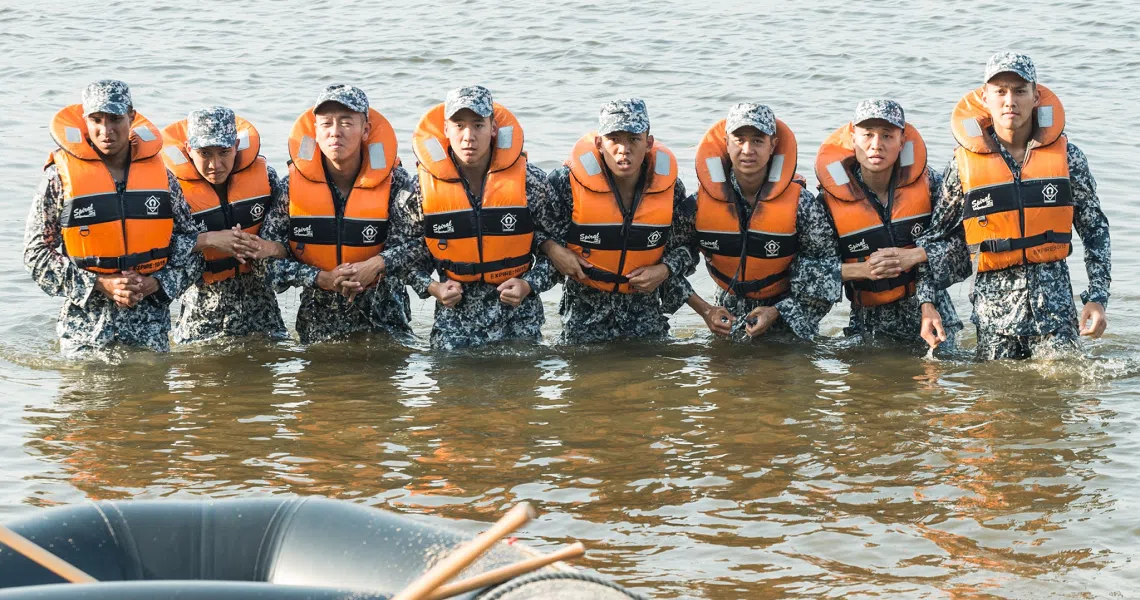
257,210
86,212
591,238
654,238
306,231
916,230
982,203
448,227
772,248
710,244
369,233
1050,193
862,246
152,205
508,222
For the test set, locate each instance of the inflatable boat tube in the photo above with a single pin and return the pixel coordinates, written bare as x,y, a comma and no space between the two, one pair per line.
289,548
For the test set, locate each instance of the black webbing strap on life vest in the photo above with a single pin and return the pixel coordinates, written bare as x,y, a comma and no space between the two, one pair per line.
121,263
478,268
739,288
1008,244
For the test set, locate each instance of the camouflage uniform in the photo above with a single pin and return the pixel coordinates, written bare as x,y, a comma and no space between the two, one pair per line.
245,303
89,321
590,315
322,314
479,318
1024,310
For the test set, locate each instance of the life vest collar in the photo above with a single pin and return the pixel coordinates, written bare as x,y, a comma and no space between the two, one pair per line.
177,156
713,164
69,130
586,165
970,121
835,162
431,146
379,150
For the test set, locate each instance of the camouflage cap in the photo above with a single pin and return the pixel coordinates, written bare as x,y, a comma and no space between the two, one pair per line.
750,114
107,96
886,110
474,97
351,97
1008,62
213,126
627,114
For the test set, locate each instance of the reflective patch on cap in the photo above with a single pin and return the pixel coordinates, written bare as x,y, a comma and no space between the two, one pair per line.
506,137
971,127
73,134
434,149
838,173
716,169
662,164
376,157
144,134
906,157
176,155
243,140
1045,116
590,163
776,168
308,147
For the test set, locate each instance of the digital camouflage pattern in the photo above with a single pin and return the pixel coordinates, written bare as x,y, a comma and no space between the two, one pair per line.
107,96
213,126
886,110
627,114
1008,62
348,96
474,97
750,114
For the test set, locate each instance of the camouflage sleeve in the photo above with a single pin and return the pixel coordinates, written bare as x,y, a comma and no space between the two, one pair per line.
947,258
680,257
405,255
43,245
1092,226
184,267
676,289
555,214
816,280
944,240
542,276
284,273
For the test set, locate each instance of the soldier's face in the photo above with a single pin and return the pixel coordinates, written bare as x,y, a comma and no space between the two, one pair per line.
214,163
1010,101
470,136
110,134
340,131
877,145
624,152
750,149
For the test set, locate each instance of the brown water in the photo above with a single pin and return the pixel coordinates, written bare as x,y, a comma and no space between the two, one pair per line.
695,468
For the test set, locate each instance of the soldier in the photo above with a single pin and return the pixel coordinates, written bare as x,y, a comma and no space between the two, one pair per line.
763,236
331,236
471,221
612,207
229,187
1017,218
109,230
878,193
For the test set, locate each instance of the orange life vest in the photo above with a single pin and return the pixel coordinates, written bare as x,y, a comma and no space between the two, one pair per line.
247,193
318,234
1011,221
489,242
614,243
748,258
102,231
861,227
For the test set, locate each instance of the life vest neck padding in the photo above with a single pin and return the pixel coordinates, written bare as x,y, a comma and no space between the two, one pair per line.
177,156
836,161
588,166
713,164
380,150
432,148
69,130
970,121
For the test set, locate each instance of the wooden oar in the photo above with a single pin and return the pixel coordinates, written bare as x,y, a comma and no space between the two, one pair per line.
502,574
466,554
43,558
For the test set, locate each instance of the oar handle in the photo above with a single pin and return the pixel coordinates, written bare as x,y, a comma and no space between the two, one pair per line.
42,557
466,554
492,577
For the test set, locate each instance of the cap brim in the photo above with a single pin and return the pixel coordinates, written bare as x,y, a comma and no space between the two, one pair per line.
325,101
207,142
451,113
883,119
738,126
111,109
1018,73
633,130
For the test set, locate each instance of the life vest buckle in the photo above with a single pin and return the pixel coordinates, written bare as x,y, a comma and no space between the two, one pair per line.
441,244
982,220
84,230
585,252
